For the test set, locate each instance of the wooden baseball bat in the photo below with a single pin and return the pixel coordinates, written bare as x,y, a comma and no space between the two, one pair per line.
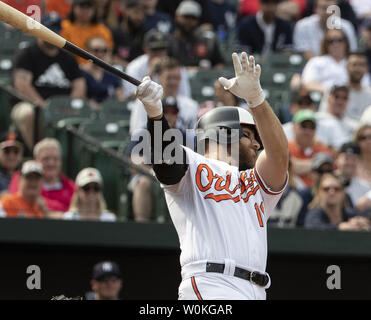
25,23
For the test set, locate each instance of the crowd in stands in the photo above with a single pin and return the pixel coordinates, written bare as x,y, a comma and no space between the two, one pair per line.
329,140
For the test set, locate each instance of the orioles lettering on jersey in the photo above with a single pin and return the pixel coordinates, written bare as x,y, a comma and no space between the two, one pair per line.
241,191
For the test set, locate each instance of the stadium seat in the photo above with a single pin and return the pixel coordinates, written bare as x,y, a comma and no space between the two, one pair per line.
63,110
285,62
110,133
112,109
202,84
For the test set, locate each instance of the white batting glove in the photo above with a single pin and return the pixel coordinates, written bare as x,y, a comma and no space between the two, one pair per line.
150,94
246,83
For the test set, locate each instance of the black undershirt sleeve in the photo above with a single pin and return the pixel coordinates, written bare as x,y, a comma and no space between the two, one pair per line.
168,174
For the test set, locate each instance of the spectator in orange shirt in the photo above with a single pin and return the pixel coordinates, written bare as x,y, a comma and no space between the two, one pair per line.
62,7
28,202
304,146
82,24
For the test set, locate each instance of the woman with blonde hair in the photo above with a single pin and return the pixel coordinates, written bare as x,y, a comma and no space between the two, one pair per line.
88,202
363,137
329,209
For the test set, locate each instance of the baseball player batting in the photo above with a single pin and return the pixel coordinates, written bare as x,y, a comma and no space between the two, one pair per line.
220,206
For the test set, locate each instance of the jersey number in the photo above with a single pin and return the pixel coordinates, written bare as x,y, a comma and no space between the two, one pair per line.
258,213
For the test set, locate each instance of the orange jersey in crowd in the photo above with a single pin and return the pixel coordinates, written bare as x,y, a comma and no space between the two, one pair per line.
62,7
298,153
15,206
80,35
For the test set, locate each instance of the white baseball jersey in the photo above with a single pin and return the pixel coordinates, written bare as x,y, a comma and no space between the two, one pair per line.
221,213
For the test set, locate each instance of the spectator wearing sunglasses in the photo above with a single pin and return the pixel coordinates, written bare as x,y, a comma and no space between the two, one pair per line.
82,23
301,100
87,202
363,137
100,83
334,127
329,210
330,68
11,154
304,145
57,189
27,202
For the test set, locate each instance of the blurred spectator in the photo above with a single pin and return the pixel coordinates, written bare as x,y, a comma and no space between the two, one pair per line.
101,84
362,8
56,71
11,154
347,161
23,120
366,40
301,100
304,146
128,37
329,210
309,32
87,202
366,115
191,45
333,127
329,69
170,7
155,46
363,137
265,32
286,213
62,7
169,76
359,93
106,282
223,17
23,5
364,203
287,9
82,24
109,12
321,163
57,189
27,203
155,19
346,10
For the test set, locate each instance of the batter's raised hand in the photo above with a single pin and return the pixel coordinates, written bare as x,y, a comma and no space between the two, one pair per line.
246,83
150,94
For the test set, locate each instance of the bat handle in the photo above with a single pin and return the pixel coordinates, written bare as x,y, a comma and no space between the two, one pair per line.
86,55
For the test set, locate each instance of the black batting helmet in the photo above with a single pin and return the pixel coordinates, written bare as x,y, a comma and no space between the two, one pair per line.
223,125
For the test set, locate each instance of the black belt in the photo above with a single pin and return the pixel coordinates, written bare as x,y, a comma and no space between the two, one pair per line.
252,276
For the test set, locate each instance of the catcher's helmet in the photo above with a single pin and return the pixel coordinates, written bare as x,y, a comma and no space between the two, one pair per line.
211,125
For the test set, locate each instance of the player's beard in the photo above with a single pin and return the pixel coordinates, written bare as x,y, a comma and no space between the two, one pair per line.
247,159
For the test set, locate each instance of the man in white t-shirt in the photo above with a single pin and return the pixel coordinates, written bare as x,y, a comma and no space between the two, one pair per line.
220,201
333,127
308,32
155,46
169,76
359,94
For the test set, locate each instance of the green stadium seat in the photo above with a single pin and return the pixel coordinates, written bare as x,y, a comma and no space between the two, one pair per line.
106,131
288,62
62,110
202,84
112,109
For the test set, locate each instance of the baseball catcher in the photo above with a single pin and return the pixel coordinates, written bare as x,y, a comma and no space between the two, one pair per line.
220,202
